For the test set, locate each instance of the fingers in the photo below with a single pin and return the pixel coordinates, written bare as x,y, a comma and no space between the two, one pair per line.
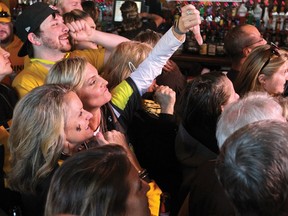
164,91
197,35
190,20
100,139
76,26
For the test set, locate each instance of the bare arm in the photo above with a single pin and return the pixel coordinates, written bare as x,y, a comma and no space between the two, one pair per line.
81,31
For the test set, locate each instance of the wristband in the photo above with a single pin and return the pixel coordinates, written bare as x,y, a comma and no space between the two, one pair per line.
143,174
176,28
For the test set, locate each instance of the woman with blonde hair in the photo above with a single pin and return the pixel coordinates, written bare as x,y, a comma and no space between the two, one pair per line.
118,107
49,123
265,69
125,58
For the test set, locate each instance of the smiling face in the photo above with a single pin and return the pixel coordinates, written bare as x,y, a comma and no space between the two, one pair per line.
5,64
54,34
77,129
94,92
137,199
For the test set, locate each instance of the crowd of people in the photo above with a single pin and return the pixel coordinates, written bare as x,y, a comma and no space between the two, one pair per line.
96,123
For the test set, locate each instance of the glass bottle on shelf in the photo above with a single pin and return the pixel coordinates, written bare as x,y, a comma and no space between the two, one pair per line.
242,12
211,44
258,14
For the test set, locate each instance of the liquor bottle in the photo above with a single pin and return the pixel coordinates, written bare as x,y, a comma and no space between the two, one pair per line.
266,17
220,43
282,16
203,47
274,16
257,15
211,44
250,14
286,21
242,12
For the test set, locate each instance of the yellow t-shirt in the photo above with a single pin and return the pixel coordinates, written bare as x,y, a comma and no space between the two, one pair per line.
34,73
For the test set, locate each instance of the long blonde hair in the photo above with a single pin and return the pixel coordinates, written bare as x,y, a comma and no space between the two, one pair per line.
254,65
36,136
123,60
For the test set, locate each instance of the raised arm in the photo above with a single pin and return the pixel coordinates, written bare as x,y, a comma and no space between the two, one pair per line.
152,66
81,31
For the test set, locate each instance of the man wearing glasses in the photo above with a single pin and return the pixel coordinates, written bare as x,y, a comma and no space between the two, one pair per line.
10,42
238,43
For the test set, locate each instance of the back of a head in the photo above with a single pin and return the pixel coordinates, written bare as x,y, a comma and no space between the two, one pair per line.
91,183
74,15
69,71
254,107
124,59
200,106
148,36
203,95
236,40
253,168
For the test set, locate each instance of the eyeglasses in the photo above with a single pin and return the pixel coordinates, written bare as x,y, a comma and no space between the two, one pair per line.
4,14
262,39
273,51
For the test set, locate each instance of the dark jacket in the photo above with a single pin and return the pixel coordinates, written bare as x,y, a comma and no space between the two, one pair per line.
207,197
191,154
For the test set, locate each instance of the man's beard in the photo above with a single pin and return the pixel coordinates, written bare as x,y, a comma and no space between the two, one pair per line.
6,40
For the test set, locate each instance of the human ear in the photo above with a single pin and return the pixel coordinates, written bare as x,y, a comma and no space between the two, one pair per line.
246,51
262,79
34,39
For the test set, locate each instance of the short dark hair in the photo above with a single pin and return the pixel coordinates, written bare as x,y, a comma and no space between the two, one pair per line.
253,167
235,41
92,181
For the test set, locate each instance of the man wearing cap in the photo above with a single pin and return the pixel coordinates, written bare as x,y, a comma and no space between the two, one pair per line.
45,39
10,42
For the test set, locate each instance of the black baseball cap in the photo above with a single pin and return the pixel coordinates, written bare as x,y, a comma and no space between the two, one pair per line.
29,20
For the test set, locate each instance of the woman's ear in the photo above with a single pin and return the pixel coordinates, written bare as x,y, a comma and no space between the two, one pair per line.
34,39
262,79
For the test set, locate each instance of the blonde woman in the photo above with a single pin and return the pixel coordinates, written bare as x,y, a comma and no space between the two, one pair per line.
265,69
